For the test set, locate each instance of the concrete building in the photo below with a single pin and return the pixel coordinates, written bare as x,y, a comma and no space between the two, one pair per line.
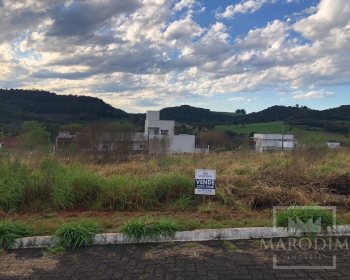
157,129
273,142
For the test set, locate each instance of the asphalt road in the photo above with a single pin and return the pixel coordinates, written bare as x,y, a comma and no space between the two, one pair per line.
195,260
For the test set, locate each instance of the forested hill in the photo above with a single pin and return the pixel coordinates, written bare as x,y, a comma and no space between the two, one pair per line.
54,110
188,114
18,105
333,120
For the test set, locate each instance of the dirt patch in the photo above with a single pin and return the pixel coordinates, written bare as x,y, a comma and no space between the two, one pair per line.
13,266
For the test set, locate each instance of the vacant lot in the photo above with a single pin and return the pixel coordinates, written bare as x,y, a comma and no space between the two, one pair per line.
46,192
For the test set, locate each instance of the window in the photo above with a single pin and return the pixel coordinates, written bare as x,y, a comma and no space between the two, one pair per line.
164,132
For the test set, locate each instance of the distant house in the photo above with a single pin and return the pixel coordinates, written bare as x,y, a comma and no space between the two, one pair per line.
158,130
273,142
333,145
64,139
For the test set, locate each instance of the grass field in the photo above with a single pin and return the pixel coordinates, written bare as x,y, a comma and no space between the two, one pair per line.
271,127
302,135
46,192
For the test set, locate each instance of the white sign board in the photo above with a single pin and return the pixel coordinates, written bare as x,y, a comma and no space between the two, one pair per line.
205,181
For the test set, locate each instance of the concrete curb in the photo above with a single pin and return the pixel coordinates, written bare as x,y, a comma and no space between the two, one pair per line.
180,236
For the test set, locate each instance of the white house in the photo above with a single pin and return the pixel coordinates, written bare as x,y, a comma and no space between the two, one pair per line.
333,145
163,129
273,142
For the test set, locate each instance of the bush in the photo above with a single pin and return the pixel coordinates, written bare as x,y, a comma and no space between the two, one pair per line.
305,215
9,231
77,234
147,227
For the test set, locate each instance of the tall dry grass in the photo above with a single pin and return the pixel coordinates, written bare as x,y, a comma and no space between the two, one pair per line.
245,180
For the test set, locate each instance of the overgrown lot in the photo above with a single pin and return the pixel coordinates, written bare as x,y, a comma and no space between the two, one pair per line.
46,191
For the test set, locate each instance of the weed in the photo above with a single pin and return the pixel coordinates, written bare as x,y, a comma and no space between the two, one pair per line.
147,227
77,234
184,203
9,231
13,176
55,250
230,247
125,193
168,188
304,219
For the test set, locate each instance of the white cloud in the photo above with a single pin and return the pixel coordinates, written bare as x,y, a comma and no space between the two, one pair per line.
153,53
183,30
313,94
240,99
248,6
184,4
330,14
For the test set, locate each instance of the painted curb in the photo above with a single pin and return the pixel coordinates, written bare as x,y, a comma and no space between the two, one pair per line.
180,236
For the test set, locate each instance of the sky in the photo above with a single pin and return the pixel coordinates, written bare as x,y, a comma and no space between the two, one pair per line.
140,55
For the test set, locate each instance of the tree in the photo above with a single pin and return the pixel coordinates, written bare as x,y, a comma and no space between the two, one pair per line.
106,142
240,111
215,139
34,136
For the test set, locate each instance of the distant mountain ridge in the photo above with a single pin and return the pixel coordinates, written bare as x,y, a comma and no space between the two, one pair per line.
186,113
17,105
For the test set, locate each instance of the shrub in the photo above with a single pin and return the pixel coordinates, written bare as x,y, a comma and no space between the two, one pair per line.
147,227
9,231
305,215
77,234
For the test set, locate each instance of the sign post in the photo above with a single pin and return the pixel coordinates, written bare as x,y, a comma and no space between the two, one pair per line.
205,181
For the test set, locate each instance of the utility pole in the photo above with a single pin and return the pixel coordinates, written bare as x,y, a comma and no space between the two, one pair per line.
282,137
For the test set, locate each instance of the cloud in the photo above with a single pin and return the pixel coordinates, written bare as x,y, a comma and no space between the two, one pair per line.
184,30
184,4
159,51
81,18
313,94
244,7
240,99
330,14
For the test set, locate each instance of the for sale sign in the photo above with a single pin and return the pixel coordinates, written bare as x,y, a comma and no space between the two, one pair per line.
205,181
